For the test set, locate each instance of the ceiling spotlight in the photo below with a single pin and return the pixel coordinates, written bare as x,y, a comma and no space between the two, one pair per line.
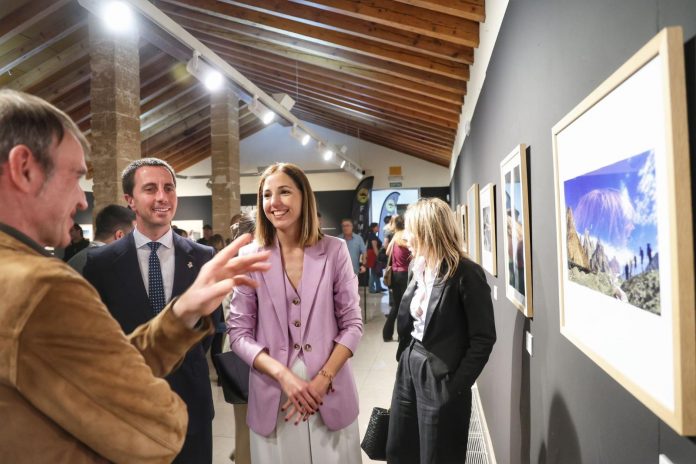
259,109
343,164
328,154
117,16
213,80
300,135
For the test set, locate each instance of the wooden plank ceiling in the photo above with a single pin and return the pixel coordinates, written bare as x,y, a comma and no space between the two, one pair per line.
390,72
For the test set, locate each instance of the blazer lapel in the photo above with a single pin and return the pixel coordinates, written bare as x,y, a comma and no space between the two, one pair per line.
434,302
275,285
127,269
312,270
185,268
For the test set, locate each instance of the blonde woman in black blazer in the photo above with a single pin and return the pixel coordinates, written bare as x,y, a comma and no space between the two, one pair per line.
446,333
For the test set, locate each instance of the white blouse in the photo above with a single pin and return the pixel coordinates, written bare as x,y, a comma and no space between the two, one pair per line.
425,278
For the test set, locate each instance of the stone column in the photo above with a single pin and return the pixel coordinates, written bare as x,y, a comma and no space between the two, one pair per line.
224,136
115,103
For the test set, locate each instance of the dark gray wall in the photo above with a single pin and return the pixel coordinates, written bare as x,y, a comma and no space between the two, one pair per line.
558,406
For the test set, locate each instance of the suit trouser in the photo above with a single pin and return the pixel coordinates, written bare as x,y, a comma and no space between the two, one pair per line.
198,447
427,424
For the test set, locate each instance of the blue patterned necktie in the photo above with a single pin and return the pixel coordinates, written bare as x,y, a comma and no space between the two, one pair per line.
154,278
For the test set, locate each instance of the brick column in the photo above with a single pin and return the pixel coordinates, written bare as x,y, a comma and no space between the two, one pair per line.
224,135
115,102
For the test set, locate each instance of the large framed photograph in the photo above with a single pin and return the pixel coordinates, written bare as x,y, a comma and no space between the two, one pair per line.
514,197
472,228
487,218
624,229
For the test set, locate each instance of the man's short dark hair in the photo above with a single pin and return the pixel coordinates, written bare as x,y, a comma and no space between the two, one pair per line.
386,219
128,174
347,220
31,121
112,218
208,226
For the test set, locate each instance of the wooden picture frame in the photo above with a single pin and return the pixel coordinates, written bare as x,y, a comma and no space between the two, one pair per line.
517,259
624,230
487,230
472,205
462,223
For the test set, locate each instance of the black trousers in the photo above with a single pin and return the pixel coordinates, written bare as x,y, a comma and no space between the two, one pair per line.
398,287
198,447
427,424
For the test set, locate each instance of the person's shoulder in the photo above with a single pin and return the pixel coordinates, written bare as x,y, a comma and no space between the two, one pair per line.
106,253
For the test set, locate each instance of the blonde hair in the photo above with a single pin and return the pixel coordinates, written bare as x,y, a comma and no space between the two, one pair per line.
310,232
434,233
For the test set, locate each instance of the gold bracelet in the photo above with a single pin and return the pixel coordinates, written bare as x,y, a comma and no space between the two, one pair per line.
323,373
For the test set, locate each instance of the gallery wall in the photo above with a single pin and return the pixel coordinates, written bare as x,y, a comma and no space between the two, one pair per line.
558,406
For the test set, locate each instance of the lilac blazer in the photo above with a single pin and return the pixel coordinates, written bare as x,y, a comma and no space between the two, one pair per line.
330,313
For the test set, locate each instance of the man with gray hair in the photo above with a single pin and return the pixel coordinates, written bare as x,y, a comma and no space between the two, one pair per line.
73,387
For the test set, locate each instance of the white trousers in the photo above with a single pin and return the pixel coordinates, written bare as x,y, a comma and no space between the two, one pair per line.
308,442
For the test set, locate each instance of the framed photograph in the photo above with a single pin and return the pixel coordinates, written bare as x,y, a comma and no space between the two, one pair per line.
472,227
462,220
624,230
488,242
514,196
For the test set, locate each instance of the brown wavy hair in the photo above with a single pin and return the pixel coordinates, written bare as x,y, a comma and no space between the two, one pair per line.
310,232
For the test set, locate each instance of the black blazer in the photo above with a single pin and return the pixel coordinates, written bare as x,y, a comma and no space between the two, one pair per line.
459,327
114,271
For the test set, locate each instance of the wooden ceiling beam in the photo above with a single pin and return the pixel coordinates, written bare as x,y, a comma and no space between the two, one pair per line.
361,110
185,126
359,28
25,16
154,86
193,159
408,17
303,36
174,142
32,47
198,108
310,75
183,145
332,58
184,153
303,109
174,105
474,10
377,104
422,154
156,97
165,139
48,68
333,67
77,75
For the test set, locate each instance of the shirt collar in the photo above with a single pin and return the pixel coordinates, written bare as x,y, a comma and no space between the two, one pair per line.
14,233
141,240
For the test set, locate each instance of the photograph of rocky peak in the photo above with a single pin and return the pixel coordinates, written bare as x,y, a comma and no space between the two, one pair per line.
612,236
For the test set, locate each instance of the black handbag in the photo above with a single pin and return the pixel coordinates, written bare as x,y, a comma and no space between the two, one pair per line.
374,442
234,377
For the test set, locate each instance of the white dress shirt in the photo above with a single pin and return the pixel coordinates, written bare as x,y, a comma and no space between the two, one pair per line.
166,256
425,277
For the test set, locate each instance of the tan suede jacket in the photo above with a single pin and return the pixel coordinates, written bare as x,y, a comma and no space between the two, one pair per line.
73,388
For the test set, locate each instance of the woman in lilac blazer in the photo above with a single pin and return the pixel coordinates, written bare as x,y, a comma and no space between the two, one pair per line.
298,330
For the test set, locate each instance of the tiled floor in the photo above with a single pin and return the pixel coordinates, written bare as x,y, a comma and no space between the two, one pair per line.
374,366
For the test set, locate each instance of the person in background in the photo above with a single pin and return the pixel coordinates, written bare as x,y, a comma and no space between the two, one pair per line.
374,244
446,333
111,224
356,246
78,242
387,230
180,232
76,388
207,235
217,242
240,224
400,257
298,331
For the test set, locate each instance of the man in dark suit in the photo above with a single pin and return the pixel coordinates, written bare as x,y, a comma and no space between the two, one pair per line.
138,275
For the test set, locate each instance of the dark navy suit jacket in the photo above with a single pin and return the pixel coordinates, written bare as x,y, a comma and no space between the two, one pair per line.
114,271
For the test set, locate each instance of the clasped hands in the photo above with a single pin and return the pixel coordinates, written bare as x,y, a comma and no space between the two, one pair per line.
304,398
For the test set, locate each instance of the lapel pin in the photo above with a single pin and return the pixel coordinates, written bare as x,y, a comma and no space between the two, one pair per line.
189,264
